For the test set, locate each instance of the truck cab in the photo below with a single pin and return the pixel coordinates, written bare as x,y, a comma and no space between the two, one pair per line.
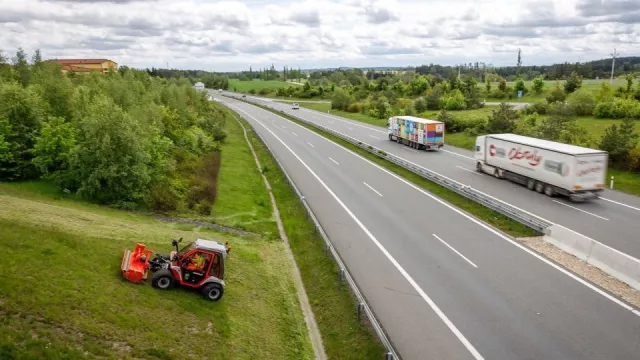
479,149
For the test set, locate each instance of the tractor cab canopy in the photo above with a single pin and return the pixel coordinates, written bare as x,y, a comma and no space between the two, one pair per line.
207,245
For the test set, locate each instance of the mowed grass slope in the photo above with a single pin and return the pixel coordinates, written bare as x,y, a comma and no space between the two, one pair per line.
62,295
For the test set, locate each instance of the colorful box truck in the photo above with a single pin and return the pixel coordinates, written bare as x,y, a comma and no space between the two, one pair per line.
418,133
545,166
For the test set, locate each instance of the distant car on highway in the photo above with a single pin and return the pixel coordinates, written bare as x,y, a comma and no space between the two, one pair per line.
295,106
244,95
219,91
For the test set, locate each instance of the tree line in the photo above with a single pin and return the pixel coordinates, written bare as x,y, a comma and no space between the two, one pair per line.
127,139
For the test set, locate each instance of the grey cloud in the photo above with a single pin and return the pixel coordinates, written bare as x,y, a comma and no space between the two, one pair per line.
307,17
590,8
138,32
100,1
263,48
421,32
471,15
100,43
375,50
626,18
377,15
224,46
516,32
464,34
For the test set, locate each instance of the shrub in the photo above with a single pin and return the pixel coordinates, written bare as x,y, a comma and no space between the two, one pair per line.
355,108
252,91
634,159
617,108
556,95
264,91
453,101
539,107
582,102
162,198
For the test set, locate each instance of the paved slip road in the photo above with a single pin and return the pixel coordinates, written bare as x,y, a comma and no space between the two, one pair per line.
442,284
613,219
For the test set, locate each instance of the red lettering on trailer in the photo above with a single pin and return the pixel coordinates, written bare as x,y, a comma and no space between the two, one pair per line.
492,150
533,158
594,169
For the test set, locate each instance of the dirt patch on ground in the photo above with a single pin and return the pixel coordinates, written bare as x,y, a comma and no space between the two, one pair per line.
589,272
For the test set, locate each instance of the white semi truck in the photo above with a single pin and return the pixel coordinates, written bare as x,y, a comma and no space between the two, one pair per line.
544,166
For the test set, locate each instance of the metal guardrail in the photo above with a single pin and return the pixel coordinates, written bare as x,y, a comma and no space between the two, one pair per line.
503,208
343,273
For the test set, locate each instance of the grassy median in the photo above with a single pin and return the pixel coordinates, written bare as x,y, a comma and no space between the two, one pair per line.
333,305
493,218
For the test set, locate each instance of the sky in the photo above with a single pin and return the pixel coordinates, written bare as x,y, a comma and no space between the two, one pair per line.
233,35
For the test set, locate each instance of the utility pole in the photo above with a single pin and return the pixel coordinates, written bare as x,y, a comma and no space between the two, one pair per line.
613,65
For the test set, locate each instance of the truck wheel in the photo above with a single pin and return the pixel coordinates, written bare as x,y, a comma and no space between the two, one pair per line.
479,167
390,137
531,184
163,279
540,187
212,291
548,190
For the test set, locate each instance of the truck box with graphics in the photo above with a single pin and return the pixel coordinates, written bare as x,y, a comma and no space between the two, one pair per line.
417,132
545,166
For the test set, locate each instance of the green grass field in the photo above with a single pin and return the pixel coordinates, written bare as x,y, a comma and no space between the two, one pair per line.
62,295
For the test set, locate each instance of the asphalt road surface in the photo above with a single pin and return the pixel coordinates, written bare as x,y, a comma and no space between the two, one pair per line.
442,284
614,219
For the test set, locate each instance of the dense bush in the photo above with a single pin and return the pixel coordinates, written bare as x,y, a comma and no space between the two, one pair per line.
582,102
123,138
618,108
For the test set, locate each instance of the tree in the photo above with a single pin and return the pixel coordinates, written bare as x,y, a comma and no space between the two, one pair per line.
21,66
629,78
111,161
36,60
538,84
340,99
502,120
519,64
488,86
454,100
420,105
22,111
418,85
619,141
573,83
502,85
53,149
520,85
560,118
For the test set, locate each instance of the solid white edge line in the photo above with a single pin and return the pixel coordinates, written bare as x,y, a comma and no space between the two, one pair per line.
310,144
621,204
372,189
395,263
375,137
584,211
480,223
469,170
334,161
455,251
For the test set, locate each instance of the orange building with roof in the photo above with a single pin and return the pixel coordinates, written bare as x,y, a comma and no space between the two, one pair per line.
86,65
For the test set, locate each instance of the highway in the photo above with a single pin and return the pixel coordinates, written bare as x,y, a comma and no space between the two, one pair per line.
442,284
613,220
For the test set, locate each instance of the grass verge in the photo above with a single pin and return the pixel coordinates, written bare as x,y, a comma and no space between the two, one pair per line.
333,305
494,218
62,295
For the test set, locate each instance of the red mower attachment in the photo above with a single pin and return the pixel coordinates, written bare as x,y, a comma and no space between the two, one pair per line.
135,264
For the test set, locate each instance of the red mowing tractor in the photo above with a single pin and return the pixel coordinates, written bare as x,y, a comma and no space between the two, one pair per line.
199,265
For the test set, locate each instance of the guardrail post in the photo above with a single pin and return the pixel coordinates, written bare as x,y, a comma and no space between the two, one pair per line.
611,183
341,275
360,309
326,248
388,356
315,229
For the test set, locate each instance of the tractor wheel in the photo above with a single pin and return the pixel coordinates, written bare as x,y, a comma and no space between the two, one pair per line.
163,279
212,291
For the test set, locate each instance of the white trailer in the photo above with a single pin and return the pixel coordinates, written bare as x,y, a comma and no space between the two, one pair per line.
545,166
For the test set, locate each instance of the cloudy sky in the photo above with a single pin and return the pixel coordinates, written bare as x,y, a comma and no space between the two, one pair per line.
232,35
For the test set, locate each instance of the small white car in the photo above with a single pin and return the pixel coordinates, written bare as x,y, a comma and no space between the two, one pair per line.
295,106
